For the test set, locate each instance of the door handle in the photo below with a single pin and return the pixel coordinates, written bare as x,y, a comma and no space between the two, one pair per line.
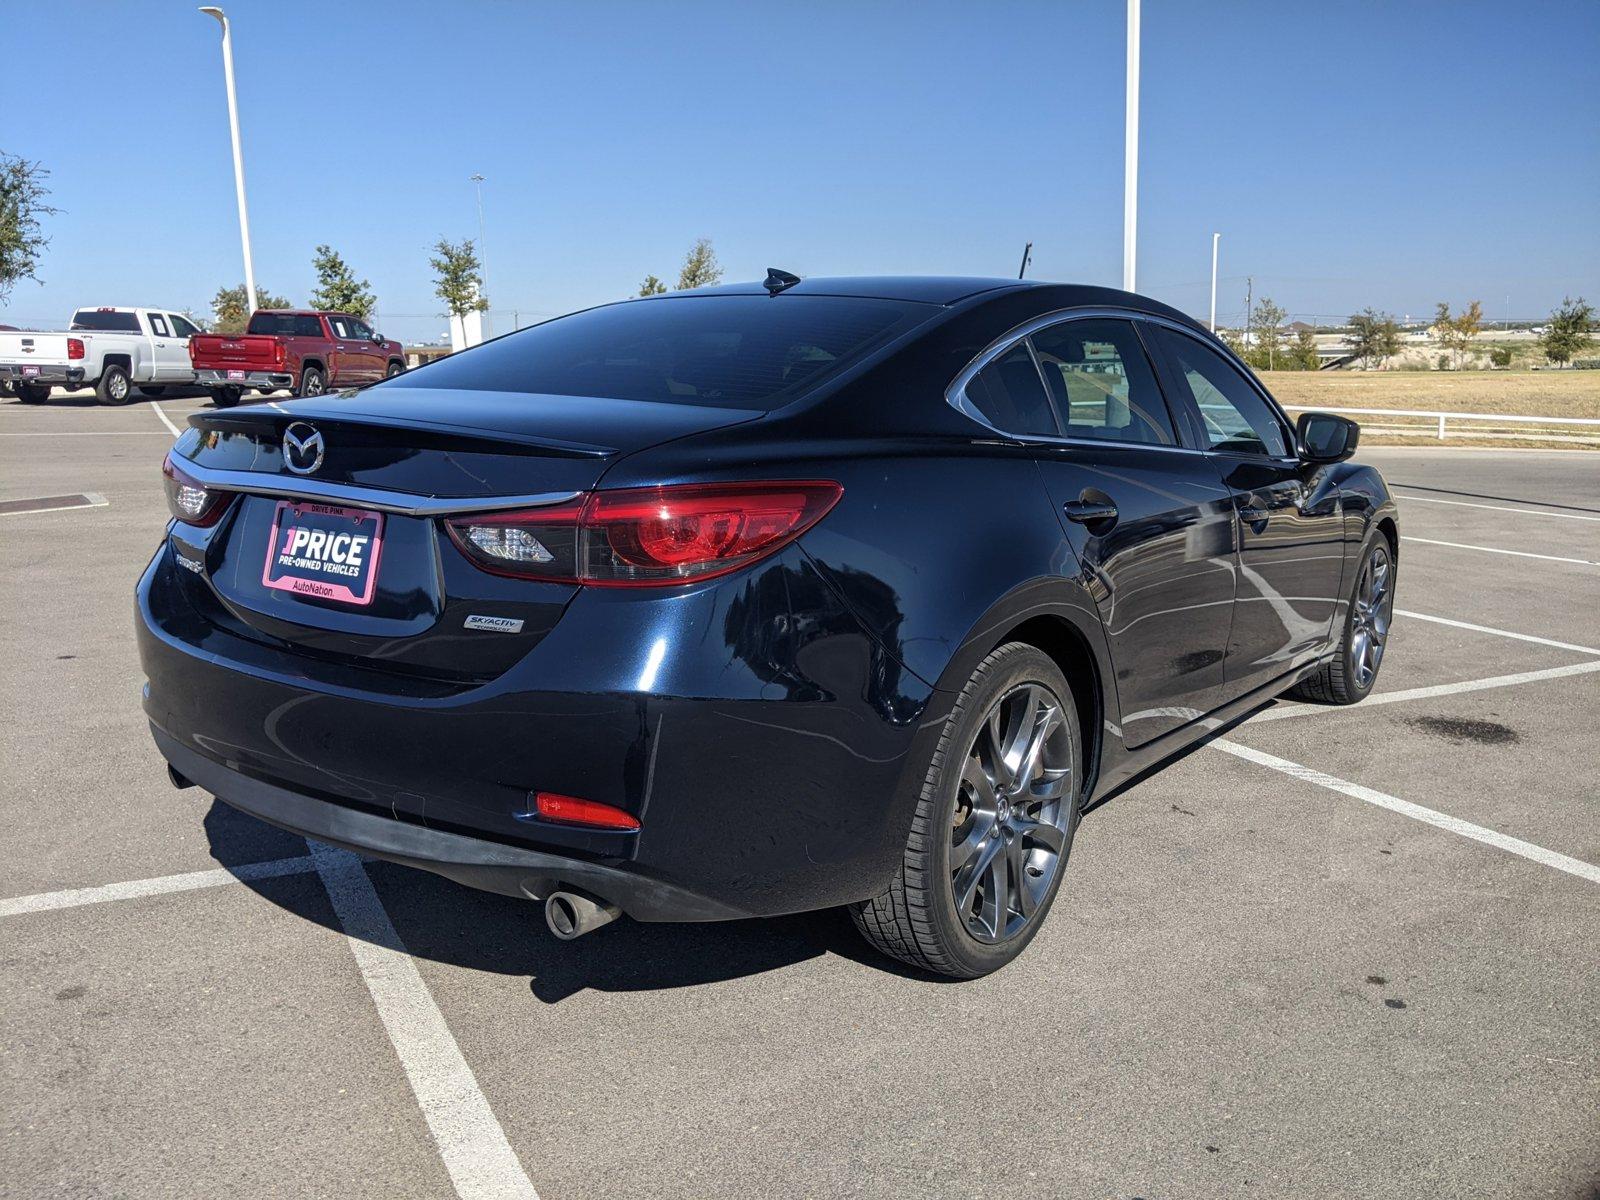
1251,514
1090,512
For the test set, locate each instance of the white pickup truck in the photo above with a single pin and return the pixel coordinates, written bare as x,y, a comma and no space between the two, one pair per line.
112,350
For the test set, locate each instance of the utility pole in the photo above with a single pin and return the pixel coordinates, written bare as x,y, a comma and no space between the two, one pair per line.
238,158
1027,254
1215,238
483,258
1249,289
1130,154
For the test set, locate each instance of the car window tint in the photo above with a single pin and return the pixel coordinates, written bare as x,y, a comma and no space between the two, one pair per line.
308,325
183,327
340,327
1011,396
110,322
359,329
752,352
1234,416
158,325
1102,383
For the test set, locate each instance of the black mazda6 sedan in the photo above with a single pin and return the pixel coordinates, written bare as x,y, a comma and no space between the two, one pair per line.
759,599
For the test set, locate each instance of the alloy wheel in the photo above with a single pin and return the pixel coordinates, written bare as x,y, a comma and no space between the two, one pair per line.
118,387
1013,814
1369,627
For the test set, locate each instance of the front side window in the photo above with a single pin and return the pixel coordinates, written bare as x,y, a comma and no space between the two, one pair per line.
1102,383
1011,396
1233,414
359,329
183,327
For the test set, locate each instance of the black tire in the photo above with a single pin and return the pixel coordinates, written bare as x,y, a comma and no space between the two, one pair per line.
146,389
395,368
226,397
114,388
919,920
312,382
32,393
1347,676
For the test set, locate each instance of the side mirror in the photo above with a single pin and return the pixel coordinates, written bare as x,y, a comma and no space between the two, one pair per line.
1325,438
377,338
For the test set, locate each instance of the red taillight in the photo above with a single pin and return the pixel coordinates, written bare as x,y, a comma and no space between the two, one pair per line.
74,347
569,810
193,357
644,537
191,501
280,354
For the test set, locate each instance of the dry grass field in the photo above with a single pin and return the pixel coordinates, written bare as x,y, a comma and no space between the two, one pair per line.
1524,393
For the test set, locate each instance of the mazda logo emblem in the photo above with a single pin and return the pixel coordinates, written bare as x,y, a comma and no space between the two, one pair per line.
302,448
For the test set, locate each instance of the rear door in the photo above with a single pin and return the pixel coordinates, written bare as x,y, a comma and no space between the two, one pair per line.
169,354
1146,517
1287,512
351,351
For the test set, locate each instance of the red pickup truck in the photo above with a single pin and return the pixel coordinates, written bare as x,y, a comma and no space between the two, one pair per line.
306,352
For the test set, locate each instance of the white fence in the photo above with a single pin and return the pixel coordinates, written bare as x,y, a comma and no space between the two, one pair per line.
1499,425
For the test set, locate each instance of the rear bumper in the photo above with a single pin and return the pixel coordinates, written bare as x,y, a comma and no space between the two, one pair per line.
43,373
774,775
488,866
210,377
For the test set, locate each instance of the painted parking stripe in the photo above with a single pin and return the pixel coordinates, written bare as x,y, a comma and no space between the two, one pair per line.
165,420
1466,829
1505,633
1584,562
1284,711
160,886
481,1162
44,504
1526,512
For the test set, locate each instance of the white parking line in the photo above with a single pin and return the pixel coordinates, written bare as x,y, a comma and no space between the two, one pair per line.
1501,841
480,1160
1497,550
74,897
1527,512
1505,633
165,420
1428,693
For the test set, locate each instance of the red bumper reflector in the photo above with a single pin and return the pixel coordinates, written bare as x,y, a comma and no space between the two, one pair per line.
569,810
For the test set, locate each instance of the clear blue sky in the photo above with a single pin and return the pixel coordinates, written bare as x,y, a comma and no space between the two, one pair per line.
1369,153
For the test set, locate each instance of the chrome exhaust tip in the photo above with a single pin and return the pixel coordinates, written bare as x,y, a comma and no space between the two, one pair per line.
571,915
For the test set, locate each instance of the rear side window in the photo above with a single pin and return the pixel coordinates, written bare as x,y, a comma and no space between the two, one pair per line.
1102,383
108,322
754,352
1011,396
1234,417
158,325
341,327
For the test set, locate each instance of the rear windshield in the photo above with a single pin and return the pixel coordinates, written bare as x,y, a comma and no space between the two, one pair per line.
286,324
113,322
722,351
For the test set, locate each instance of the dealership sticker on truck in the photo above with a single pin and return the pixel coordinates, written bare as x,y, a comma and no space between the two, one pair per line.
324,551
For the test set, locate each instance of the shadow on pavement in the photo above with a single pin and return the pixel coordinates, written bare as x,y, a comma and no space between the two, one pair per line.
447,923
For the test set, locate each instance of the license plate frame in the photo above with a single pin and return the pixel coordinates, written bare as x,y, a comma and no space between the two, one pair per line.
235,374
30,372
307,567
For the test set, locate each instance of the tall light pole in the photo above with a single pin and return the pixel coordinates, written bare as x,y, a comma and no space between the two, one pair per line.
1130,153
1215,238
238,157
483,257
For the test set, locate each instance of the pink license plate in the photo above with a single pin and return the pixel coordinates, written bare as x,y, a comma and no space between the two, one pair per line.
29,371
235,374
324,551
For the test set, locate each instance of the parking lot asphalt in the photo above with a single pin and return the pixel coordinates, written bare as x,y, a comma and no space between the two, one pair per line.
1262,977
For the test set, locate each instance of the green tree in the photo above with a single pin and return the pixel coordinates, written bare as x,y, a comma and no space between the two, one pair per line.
1458,332
22,239
1265,323
338,290
700,266
1303,354
459,278
1374,336
227,307
1566,335
651,286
